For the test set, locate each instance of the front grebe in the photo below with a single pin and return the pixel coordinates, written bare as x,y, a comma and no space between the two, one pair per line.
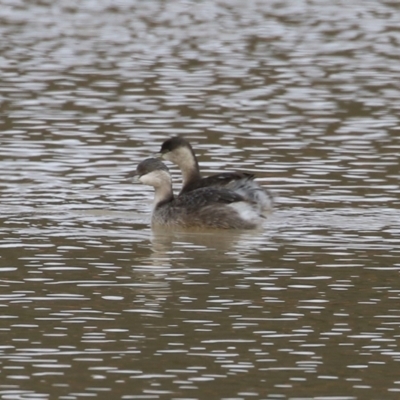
179,151
208,207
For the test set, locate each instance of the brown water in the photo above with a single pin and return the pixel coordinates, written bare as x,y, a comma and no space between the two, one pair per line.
95,305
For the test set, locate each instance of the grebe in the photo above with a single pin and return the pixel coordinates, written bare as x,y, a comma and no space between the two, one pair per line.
207,207
179,151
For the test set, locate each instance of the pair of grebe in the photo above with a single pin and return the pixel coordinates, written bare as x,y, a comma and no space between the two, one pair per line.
229,200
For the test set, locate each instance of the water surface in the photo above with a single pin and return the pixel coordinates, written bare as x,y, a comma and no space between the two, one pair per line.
95,304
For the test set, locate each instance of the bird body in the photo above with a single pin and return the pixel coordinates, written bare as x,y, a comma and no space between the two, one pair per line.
207,207
179,151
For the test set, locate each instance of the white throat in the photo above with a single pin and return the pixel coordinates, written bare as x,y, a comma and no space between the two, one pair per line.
161,181
184,159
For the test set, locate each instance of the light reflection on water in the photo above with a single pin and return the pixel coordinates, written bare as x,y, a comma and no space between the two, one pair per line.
94,303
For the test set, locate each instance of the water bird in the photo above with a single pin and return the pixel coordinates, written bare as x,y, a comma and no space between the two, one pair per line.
205,207
179,151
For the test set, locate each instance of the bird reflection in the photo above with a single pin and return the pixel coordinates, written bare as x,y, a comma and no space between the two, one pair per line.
202,247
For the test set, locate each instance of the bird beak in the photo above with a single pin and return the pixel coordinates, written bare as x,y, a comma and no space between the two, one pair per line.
134,176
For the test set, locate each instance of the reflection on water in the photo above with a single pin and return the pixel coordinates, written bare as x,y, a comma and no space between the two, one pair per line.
94,303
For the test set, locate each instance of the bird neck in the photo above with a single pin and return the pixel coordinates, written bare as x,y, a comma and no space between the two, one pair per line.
162,194
189,167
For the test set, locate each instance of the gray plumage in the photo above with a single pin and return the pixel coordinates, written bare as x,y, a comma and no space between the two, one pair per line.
179,151
208,207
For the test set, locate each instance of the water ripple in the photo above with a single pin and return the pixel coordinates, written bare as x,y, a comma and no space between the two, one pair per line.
301,94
